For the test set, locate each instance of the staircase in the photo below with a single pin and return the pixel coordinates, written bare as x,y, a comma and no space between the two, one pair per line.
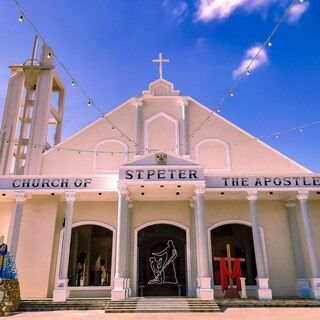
157,305
133,305
71,304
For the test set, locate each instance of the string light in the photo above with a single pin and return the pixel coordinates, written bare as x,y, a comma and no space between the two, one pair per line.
222,101
67,71
49,55
246,71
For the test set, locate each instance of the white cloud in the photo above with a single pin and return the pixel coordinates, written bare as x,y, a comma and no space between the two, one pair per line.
297,11
219,9
261,59
180,10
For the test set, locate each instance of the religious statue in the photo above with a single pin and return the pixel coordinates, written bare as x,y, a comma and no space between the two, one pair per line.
9,285
163,267
7,264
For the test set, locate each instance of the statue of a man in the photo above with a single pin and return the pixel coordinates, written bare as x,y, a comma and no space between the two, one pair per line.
7,264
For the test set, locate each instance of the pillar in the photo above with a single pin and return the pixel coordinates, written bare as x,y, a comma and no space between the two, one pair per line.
204,286
193,247
10,120
128,262
120,290
39,124
309,240
302,281
61,291
264,292
184,102
15,223
138,105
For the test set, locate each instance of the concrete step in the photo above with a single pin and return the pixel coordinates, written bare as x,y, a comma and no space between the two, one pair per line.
72,304
161,305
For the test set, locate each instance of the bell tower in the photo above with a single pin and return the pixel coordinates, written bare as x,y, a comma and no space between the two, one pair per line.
33,113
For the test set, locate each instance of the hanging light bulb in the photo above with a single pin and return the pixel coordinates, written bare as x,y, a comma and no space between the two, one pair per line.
49,55
301,129
231,93
269,43
89,103
301,1
112,128
277,136
72,82
248,72
219,110
21,18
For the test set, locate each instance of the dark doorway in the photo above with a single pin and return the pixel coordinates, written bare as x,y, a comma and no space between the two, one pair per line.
241,244
162,261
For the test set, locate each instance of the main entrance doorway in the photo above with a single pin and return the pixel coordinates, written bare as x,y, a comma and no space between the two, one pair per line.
162,261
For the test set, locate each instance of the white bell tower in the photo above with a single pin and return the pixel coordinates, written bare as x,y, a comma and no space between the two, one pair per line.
33,113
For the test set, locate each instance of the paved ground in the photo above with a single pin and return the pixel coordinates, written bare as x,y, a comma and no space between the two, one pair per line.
229,314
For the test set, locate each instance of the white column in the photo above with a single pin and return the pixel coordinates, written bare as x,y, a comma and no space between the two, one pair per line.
308,235
119,291
39,122
15,223
61,291
128,261
264,292
302,282
204,288
10,120
193,247
138,105
184,102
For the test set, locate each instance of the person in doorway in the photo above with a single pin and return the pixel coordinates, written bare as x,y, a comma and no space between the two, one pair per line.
104,273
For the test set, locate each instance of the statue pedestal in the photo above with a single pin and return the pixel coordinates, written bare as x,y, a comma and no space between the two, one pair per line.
9,296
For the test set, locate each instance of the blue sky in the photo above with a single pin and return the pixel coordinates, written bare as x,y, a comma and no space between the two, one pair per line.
108,45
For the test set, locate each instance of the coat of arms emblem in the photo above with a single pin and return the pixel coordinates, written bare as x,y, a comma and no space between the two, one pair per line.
161,159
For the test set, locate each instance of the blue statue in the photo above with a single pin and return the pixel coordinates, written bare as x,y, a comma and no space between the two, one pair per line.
7,265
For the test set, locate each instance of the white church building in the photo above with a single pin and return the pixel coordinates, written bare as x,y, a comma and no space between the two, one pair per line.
135,204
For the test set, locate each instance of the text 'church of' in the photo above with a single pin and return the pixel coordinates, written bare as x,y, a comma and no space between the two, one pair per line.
135,205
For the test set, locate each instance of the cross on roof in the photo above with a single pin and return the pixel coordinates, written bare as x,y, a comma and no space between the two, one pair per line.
160,60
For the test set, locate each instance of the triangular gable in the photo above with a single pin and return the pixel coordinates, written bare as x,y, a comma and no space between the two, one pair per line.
151,160
161,87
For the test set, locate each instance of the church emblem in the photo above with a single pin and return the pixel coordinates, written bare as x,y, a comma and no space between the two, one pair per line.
161,159
162,265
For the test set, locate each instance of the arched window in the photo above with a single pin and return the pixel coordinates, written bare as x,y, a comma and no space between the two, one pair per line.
90,256
213,154
109,155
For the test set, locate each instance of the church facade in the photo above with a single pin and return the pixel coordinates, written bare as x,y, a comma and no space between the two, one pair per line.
139,204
